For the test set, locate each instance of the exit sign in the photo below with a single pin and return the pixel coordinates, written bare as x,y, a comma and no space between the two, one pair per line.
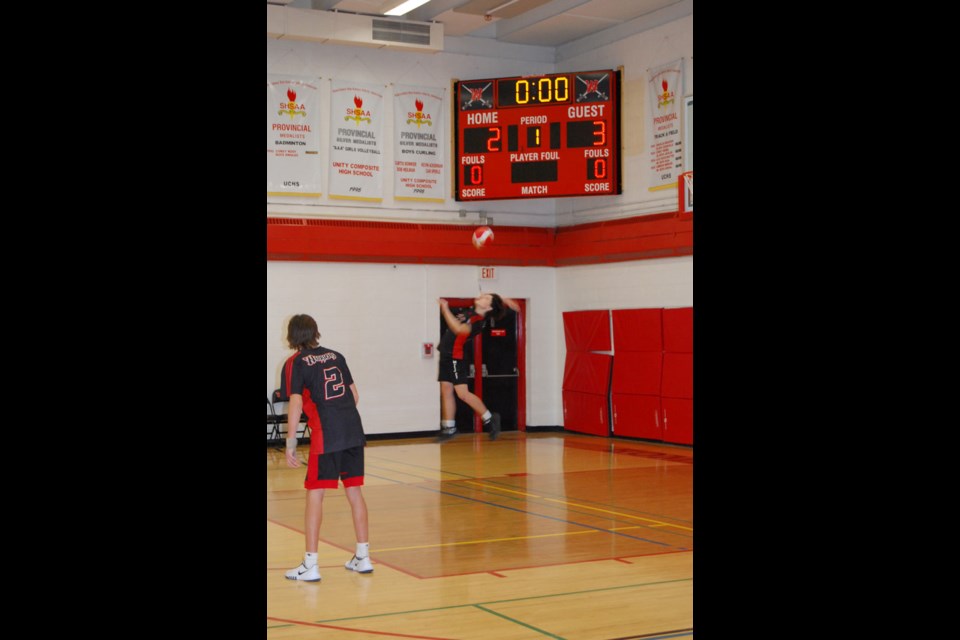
488,273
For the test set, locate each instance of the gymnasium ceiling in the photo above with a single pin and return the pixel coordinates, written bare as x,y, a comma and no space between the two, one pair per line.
545,23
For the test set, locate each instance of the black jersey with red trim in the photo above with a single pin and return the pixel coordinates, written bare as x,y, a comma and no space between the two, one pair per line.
322,376
309,408
452,343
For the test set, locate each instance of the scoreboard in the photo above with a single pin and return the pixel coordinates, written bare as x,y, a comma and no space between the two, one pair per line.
538,136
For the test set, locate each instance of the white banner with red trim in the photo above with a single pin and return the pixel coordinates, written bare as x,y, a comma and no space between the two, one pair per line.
665,92
419,144
293,136
356,133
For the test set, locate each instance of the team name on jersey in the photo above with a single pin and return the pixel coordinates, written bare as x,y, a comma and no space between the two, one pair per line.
311,360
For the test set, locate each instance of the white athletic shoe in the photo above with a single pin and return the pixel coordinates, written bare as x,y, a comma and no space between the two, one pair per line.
302,573
360,565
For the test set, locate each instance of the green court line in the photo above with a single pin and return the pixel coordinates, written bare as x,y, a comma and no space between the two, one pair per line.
491,602
522,624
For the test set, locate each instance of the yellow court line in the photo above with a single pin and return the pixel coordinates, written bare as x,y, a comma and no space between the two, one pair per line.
387,471
581,506
617,513
454,544
490,486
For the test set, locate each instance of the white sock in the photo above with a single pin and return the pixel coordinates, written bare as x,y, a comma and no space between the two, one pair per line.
309,559
448,424
363,549
486,417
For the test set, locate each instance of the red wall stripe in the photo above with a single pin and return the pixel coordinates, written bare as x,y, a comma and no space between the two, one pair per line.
637,238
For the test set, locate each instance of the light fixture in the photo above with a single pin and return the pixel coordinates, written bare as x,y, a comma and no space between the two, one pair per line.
405,7
498,7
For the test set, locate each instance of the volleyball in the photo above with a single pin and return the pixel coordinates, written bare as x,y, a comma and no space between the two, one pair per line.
482,236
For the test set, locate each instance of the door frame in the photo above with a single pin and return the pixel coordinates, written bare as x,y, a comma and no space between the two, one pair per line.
521,362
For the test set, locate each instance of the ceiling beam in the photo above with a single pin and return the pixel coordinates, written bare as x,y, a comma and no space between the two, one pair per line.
623,30
543,12
432,9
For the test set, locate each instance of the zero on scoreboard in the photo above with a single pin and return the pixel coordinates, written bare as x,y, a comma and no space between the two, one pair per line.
543,136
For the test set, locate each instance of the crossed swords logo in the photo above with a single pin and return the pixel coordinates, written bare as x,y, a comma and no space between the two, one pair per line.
476,95
592,86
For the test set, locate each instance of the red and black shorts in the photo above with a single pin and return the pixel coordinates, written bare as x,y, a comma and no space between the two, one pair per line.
325,470
452,370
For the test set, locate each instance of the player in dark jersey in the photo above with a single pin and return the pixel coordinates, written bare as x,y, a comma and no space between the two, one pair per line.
320,384
454,366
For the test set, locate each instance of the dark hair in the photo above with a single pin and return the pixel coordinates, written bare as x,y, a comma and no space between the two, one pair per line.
497,312
302,333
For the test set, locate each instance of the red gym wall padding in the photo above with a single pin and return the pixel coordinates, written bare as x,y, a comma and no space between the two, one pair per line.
637,330
587,372
585,413
637,372
677,379
678,330
677,420
586,330
586,375
652,380
636,416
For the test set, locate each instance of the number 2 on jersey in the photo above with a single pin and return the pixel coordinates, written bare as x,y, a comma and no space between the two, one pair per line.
333,386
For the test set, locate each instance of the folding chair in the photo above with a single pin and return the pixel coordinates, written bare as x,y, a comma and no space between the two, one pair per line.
274,422
278,398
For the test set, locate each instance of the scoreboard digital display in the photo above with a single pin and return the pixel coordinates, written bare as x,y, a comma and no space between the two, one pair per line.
538,136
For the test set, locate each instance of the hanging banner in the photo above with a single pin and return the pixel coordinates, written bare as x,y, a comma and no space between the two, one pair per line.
665,91
293,137
419,144
356,128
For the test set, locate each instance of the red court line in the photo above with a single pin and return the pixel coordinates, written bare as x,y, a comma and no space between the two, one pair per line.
349,550
551,564
379,633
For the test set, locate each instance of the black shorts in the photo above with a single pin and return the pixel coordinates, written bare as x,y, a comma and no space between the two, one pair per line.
453,371
324,470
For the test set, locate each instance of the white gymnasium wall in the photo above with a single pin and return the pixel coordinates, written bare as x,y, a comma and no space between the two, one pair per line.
636,53
378,316
439,70
667,282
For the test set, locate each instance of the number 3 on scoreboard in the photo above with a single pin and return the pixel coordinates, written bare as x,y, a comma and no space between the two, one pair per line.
600,133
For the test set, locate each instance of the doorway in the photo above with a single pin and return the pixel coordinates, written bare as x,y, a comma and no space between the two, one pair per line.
497,370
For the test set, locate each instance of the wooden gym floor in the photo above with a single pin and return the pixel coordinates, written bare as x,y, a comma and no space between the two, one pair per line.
536,535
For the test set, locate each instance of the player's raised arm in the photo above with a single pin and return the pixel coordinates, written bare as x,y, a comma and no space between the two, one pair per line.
455,325
510,303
